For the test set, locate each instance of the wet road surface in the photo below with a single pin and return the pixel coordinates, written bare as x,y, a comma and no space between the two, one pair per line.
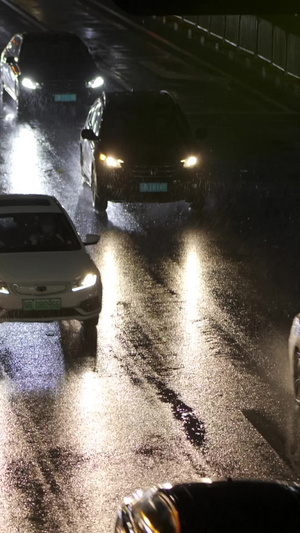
188,375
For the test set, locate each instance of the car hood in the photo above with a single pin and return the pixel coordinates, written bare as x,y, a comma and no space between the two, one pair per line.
60,71
44,266
148,153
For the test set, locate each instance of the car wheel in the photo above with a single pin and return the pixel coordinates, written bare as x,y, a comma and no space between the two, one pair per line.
197,205
99,202
89,326
91,322
89,336
296,376
1,97
20,107
21,104
83,176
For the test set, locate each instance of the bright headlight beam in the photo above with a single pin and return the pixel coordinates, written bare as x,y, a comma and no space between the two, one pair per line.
88,281
3,289
96,82
110,161
190,161
30,84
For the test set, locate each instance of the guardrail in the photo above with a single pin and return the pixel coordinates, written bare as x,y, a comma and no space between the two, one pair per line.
253,35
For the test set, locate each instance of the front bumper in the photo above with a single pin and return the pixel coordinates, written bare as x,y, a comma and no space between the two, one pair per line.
148,184
59,96
66,305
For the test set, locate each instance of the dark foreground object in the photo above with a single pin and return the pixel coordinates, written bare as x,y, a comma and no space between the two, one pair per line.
213,506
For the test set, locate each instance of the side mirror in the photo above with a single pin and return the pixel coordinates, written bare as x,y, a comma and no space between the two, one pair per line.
200,133
10,60
91,238
89,135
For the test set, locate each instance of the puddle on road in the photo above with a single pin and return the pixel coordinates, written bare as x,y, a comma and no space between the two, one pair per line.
193,427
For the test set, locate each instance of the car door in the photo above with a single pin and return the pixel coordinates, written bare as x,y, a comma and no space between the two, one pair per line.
85,147
9,65
89,148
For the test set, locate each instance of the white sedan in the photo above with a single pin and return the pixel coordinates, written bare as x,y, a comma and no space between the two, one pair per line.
45,272
294,356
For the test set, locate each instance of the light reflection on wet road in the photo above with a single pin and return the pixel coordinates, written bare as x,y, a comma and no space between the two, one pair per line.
188,371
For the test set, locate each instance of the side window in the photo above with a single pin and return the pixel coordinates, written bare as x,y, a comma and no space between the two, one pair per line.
88,122
97,116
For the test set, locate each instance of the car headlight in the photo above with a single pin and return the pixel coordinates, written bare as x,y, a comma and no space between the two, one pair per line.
190,161
84,282
151,512
30,84
110,161
3,288
95,83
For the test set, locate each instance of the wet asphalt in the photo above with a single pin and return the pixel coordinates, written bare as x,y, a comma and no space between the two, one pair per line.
188,375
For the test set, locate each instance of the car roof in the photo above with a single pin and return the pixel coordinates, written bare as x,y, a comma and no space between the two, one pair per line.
29,203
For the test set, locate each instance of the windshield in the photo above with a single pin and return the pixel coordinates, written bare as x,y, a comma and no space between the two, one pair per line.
144,122
45,53
38,232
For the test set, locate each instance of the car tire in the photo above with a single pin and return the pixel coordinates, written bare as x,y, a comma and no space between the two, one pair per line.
89,327
90,323
89,336
1,98
197,205
21,104
83,176
296,375
99,201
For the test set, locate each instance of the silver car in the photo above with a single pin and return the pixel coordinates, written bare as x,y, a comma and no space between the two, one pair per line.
45,272
294,355
36,70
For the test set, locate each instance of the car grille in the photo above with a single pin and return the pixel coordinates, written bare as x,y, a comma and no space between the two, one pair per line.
149,173
40,289
60,86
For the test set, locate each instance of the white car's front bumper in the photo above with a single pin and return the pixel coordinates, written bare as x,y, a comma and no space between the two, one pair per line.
46,303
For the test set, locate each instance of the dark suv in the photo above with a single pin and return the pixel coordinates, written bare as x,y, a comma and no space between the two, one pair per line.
138,147
49,68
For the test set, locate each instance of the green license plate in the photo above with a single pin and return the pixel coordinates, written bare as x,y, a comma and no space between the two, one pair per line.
153,187
45,304
65,98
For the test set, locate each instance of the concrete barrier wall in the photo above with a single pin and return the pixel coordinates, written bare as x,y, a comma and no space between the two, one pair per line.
253,35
